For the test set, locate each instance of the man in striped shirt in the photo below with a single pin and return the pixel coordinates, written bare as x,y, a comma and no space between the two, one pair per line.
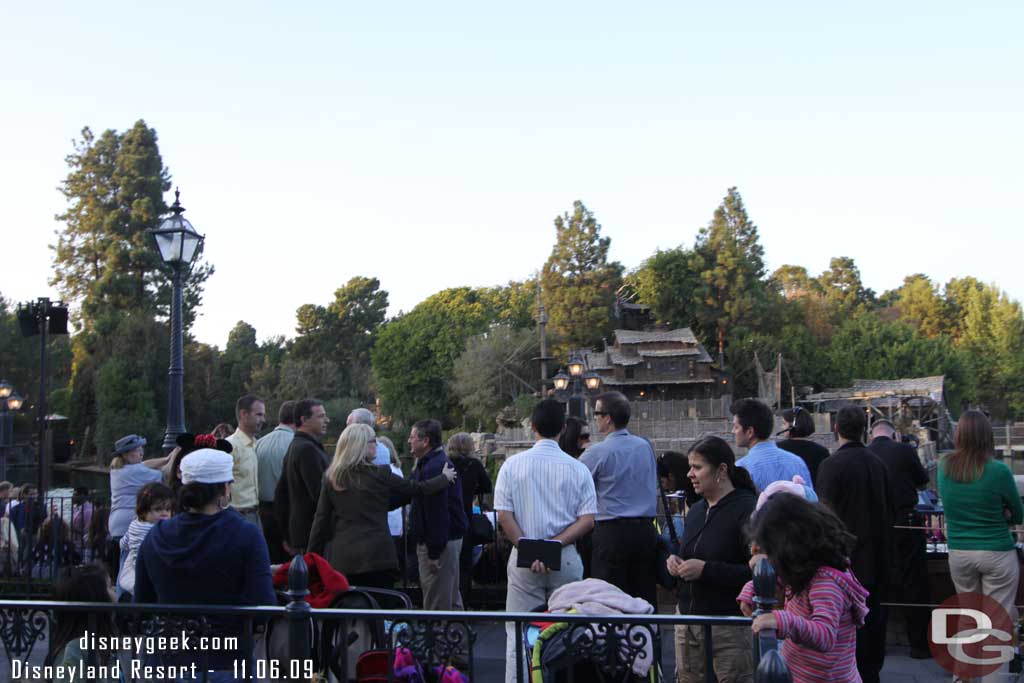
542,493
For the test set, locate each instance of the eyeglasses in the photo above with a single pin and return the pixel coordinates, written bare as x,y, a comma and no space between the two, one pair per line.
584,435
600,413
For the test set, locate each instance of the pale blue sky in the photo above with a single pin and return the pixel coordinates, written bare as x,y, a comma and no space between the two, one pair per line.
431,145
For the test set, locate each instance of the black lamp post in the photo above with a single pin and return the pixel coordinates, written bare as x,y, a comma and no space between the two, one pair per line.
10,403
574,387
43,317
179,244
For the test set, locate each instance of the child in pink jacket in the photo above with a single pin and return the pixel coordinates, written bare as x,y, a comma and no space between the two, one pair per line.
825,604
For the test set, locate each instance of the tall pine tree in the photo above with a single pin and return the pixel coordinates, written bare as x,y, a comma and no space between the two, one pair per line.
579,282
730,293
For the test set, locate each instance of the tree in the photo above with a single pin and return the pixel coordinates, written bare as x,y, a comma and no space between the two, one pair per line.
730,295
844,292
919,304
106,265
992,336
344,331
579,283
493,371
414,357
795,283
666,282
865,347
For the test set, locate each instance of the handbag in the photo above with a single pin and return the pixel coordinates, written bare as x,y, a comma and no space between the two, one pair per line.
481,531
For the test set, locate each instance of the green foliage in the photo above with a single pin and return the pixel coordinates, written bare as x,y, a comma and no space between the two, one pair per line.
579,282
493,371
667,282
126,406
845,294
919,304
868,348
343,332
415,354
991,332
731,294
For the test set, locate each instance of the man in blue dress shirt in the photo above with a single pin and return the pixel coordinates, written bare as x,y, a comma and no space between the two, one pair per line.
752,425
625,475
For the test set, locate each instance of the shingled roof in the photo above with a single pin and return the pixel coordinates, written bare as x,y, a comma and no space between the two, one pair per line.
681,334
874,388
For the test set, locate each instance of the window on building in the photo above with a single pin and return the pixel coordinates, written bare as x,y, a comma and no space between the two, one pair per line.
629,372
693,369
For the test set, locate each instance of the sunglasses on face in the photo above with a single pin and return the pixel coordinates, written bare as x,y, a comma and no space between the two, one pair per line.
600,413
584,435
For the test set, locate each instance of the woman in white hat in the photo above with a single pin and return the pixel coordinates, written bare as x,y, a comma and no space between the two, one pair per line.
128,474
206,554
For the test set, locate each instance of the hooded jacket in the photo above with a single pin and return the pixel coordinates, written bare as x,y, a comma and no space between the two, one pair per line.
196,559
717,535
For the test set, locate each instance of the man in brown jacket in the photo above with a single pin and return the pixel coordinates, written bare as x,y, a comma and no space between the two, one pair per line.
298,489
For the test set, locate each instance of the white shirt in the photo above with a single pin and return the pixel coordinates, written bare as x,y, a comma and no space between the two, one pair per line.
395,516
546,489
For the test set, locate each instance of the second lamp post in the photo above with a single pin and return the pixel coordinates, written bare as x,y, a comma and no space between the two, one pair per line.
576,386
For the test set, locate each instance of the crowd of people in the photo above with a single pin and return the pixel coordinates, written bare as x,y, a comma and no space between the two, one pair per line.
211,522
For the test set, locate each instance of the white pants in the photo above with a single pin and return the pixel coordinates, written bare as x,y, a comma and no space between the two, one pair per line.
526,591
992,573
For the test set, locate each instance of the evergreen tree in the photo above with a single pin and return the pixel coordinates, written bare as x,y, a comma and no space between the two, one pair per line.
731,294
843,289
106,265
920,305
579,282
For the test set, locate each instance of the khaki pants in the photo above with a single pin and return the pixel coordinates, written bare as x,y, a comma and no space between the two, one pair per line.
733,654
526,591
441,590
992,573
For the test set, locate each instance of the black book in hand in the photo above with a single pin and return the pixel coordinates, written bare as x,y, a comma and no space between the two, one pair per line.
548,552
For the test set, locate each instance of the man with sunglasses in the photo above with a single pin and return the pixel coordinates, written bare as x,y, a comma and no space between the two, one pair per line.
625,475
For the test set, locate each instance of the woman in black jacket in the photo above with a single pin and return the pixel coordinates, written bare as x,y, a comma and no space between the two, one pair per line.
475,481
712,564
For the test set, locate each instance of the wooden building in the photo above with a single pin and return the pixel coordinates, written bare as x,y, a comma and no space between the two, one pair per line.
658,365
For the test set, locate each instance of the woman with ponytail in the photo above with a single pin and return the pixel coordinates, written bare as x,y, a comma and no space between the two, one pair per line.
712,565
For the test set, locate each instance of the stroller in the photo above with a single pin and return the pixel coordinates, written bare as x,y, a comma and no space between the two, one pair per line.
342,652
558,651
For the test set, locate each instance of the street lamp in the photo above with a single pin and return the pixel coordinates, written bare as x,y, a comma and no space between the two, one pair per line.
561,381
574,387
10,403
179,244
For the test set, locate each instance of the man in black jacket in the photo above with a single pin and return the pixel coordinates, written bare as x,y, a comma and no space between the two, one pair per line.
910,561
854,483
437,522
298,489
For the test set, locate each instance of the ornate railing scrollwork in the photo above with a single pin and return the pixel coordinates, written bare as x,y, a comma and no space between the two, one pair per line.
21,629
435,643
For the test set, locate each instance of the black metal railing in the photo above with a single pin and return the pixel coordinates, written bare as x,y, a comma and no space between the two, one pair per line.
296,641
39,539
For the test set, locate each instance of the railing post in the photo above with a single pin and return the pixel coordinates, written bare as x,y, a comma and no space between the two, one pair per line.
298,610
771,668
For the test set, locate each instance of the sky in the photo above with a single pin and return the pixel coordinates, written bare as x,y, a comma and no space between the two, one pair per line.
431,145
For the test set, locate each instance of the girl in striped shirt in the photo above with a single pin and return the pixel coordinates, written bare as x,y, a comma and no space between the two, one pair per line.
825,604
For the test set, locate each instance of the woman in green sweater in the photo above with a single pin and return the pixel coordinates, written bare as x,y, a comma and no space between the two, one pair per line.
981,502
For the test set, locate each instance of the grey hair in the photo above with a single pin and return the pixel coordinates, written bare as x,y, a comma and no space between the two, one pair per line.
461,444
361,416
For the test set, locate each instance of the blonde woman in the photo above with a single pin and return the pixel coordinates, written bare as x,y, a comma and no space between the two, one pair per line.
350,528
